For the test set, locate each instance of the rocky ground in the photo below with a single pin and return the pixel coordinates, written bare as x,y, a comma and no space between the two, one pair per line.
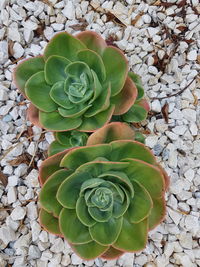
161,40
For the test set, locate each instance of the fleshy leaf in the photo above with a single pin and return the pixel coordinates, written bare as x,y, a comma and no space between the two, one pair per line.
33,115
69,190
93,41
73,230
55,69
114,60
157,212
37,90
111,132
65,45
147,175
26,69
133,236
90,250
139,137
95,122
49,222
126,97
74,112
94,61
135,114
131,149
55,147
48,193
140,206
50,165
81,155
106,233
136,79
55,122
82,212
98,215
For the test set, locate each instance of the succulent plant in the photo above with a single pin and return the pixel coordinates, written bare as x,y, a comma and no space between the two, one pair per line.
79,83
64,140
103,198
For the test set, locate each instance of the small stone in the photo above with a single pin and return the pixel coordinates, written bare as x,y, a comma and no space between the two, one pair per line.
12,195
155,106
49,137
21,170
32,213
135,60
18,213
189,114
31,148
75,259
176,217
6,235
168,250
185,240
3,94
189,175
35,230
141,260
18,50
65,260
32,179
196,147
69,10
23,241
58,246
57,26
151,141
44,236
192,55
192,224
14,35
34,252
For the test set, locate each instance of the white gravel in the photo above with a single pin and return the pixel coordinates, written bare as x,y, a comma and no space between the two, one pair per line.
162,44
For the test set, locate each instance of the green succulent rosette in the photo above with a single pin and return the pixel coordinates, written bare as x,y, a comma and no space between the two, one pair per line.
64,140
79,83
103,198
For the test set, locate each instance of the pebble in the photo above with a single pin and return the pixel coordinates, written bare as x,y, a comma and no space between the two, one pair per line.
189,114
18,50
32,179
6,235
75,259
12,195
192,55
34,252
3,95
18,213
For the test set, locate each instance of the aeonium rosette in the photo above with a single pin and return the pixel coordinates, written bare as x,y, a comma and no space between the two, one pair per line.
103,198
79,83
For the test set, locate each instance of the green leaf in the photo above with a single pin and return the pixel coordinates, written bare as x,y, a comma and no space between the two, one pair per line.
59,96
49,222
147,175
95,122
97,87
157,212
139,137
106,233
125,98
123,149
56,147
135,114
111,132
136,79
73,230
55,69
120,208
75,112
75,69
37,90
26,69
94,61
92,183
82,212
100,104
97,167
72,138
133,236
93,41
90,250
65,45
48,198
118,177
68,192
116,68
140,206
81,155
99,215
55,122
50,165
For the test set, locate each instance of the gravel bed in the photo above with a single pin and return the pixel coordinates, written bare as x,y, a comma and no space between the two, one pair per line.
162,43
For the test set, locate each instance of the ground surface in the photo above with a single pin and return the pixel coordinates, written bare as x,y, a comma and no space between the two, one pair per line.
162,43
